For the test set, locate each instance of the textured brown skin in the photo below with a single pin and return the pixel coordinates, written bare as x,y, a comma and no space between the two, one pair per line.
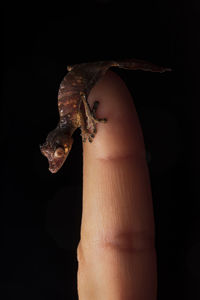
79,81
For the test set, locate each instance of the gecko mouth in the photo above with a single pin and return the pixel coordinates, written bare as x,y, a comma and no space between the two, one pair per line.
54,166
56,163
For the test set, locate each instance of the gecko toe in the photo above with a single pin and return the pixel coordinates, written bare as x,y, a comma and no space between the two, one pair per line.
102,120
83,137
94,108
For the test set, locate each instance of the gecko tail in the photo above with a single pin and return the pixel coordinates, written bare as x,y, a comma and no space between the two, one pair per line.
136,64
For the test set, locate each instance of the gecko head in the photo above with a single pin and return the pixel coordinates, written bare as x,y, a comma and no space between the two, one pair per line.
56,148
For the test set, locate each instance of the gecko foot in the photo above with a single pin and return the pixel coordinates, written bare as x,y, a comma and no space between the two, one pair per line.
86,135
93,113
90,137
94,108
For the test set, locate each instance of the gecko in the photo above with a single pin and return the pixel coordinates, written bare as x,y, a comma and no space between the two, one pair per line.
74,109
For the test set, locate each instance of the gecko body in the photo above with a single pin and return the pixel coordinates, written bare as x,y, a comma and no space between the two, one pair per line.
74,109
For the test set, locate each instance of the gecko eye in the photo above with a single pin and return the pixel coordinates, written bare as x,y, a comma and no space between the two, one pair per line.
59,152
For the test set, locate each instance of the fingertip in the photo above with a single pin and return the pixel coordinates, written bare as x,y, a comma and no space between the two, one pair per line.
121,135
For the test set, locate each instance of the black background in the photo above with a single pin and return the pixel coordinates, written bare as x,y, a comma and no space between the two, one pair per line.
41,212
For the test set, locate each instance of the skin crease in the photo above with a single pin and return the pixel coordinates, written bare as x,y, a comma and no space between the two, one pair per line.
116,253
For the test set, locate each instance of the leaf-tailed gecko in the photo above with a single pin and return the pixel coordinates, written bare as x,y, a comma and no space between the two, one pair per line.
74,109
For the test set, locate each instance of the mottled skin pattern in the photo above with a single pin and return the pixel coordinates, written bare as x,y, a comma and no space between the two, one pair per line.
74,109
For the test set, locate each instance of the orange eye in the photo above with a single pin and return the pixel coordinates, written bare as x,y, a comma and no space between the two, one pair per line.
59,152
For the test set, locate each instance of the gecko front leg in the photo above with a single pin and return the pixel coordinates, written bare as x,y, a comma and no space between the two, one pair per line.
88,126
92,120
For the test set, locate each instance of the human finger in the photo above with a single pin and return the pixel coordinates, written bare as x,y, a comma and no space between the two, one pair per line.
116,252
